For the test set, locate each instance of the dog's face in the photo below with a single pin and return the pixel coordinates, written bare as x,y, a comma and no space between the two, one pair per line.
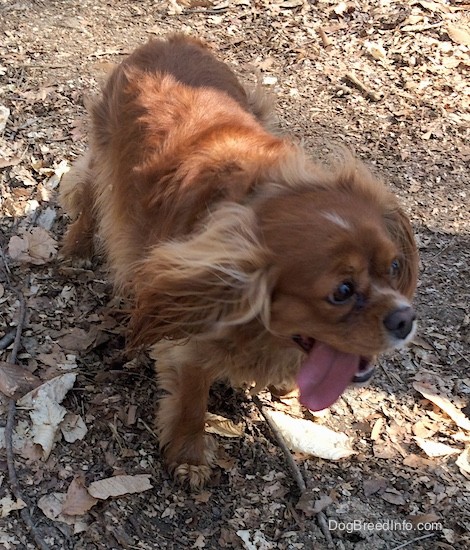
345,271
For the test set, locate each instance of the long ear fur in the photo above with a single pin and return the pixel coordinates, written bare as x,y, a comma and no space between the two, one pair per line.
216,278
401,232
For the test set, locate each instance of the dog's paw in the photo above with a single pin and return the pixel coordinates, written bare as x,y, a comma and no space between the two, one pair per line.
195,476
79,264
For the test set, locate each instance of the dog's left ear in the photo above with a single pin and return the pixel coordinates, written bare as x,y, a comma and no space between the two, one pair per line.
401,232
214,279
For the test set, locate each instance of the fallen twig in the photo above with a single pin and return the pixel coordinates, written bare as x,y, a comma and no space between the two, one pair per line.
6,340
280,439
352,79
413,541
326,42
321,518
13,478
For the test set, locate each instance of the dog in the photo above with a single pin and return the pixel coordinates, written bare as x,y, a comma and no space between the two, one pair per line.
243,259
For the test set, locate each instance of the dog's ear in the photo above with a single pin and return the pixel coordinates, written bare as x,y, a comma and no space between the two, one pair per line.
401,232
214,279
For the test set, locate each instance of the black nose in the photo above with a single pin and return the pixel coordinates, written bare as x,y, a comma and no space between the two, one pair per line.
400,322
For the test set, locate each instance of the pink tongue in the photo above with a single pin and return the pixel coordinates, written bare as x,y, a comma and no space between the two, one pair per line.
324,376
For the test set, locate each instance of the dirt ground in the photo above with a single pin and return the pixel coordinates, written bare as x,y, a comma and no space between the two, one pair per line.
389,80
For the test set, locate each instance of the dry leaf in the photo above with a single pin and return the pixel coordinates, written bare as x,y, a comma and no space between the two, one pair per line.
310,504
77,339
423,518
372,486
46,412
422,429
434,448
394,497
8,505
15,380
433,6
219,425
463,462
459,35
61,169
52,507
203,496
443,403
258,542
415,461
200,542
73,428
340,8
35,247
12,161
377,428
119,485
306,437
377,51
78,500
4,115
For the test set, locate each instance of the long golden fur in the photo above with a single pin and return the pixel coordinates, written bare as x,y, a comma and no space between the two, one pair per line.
243,259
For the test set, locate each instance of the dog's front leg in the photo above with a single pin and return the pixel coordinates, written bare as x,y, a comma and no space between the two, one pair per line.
181,414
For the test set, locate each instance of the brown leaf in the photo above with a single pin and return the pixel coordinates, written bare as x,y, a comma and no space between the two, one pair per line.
443,402
310,504
423,518
119,485
374,485
203,497
78,500
394,498
36,247
219,425
77,340
459,35
13,161
423,429
16,381
415,461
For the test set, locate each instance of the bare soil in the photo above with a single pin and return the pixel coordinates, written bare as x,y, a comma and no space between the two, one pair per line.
408,117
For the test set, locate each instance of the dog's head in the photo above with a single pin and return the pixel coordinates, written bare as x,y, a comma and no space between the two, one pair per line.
330,267
345,271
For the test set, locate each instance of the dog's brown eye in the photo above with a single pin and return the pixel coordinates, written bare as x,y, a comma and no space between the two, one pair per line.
395,268
342,293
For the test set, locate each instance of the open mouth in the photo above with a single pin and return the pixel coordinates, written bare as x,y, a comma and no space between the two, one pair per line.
327,372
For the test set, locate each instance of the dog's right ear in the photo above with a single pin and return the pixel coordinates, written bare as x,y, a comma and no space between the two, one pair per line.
214,279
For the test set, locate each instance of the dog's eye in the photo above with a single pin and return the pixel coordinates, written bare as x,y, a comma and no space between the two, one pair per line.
395,268
342,294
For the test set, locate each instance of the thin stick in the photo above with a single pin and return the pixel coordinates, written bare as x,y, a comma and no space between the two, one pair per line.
12,476
326,42
321,518
282,443
413,541
352,79
19,327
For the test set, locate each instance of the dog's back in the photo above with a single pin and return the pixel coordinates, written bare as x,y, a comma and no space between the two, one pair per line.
171,134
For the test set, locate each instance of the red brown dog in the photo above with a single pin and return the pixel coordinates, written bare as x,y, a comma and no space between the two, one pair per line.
243,259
